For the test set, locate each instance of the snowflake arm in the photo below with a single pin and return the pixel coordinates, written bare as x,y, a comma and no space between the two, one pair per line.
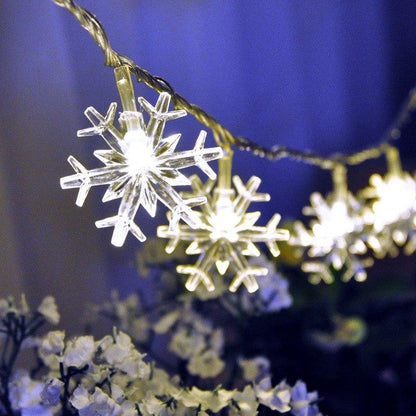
245,274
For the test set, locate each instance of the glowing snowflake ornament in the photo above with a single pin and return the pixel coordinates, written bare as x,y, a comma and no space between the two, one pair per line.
227,233
335,237
392,212
141,166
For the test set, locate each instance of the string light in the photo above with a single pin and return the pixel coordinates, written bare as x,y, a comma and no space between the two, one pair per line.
140,169
141,165
227,233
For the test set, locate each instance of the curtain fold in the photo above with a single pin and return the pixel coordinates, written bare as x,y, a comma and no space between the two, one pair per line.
312,75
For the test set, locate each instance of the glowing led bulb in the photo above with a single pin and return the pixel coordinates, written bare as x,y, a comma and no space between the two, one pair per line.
394,195
223,220
139,152
141,166
335,224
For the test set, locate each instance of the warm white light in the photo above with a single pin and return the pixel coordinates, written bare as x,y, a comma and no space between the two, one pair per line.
335,223
396,199
224,221
139,152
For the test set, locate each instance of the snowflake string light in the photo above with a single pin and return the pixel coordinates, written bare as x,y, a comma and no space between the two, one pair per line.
335,237
141,165
227,233
392,212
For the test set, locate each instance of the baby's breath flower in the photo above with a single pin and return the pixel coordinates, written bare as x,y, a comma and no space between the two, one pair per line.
52,343
49,310
4,307
205,399
207,364
185,344
122,354
254,369
244,403
166,322
302,402
51,392
96,404
25,393
276,398
140,329
79,351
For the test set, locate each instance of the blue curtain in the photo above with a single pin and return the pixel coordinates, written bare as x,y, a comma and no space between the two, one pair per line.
318,75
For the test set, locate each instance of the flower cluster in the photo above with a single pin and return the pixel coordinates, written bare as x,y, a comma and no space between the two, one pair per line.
110,376
194,340
18,326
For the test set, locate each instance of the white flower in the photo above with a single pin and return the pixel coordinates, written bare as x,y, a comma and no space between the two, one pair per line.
51,392
208,400
4,307
96,404
49,310
53,343
123,355
140,329
246,403
166,322
155,406
8,306
79,351
51,348
302,399
207,364
25,392
254,369
158,384
276,398
186,344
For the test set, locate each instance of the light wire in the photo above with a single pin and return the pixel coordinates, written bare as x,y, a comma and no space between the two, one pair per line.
222,135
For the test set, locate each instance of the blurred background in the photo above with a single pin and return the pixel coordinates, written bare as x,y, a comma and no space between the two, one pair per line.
317,75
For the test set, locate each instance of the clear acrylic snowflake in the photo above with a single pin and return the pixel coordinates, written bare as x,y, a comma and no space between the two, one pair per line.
140,166
227,234
335,238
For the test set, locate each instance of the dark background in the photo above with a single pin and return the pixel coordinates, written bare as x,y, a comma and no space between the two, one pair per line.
328,76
